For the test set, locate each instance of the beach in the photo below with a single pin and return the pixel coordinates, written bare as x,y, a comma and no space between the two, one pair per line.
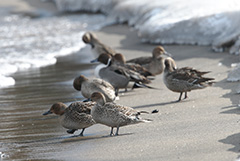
203,127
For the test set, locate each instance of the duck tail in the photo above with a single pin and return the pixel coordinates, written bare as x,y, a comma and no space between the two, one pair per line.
146,120
143,112
141,85
210,83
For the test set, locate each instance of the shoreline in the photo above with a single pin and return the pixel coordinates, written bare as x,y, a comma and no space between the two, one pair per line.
203,127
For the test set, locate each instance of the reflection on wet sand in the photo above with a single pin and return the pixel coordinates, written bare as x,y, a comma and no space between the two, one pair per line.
24,130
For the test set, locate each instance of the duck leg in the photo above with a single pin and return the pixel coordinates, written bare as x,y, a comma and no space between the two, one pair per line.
117,131
87,100
185,95
81,134
71,131
111,133
180,97
116,91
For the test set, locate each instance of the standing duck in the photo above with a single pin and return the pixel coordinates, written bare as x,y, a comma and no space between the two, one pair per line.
154,64
118,76
184,79
120,60
89,86
114,115
75,116
97,46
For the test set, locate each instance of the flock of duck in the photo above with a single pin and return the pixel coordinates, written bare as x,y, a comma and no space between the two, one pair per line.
116,73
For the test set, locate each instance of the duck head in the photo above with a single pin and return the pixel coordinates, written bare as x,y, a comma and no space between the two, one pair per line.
57,108
77,83
88,38
168,65
158,51
119,58
104,58
99,98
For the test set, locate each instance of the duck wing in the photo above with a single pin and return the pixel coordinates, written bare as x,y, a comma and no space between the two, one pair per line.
81,107
190,75
138,68
132,75
140,60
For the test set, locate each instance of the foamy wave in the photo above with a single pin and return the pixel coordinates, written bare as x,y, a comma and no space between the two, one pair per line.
32,43
173,21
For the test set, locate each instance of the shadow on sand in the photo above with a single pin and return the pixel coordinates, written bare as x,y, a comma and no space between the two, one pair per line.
161,104
233,140
71,138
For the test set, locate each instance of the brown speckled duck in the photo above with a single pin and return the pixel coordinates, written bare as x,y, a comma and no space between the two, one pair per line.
75,116
154,64
114,115
97,46
184,79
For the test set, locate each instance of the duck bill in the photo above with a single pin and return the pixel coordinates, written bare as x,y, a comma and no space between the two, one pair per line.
46,113
168,54
92,45
94,61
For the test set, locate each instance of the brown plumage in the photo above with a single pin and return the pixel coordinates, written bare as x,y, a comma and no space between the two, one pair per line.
184,79
155,63
97,46
114,115
75,116
120,60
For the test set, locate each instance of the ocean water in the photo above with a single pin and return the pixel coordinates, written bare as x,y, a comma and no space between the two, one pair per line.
32,43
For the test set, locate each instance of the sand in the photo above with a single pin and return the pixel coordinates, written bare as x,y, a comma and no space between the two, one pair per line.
203,127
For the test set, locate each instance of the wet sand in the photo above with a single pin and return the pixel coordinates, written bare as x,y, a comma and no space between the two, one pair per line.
203,127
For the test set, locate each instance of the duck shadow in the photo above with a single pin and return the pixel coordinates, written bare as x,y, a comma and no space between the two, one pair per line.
160,104
77,138
70,138
232,109
232,96
232,140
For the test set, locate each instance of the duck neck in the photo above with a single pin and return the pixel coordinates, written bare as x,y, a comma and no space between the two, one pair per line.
101,101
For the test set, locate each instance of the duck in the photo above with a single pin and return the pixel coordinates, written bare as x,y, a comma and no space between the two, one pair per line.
97,46
155,63
114,115
118,76
73,117
183,80
88,86
121,60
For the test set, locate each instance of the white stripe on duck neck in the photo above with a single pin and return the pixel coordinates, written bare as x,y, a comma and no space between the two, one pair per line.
100,66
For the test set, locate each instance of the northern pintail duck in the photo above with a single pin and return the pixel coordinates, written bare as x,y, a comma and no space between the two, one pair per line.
154,64
75,116
114,115
184,79
118,76
97,46
120,60
89,86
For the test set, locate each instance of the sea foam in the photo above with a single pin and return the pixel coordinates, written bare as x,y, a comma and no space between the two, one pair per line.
205,22
32,43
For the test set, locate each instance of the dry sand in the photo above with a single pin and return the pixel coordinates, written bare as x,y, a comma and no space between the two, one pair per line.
204,127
